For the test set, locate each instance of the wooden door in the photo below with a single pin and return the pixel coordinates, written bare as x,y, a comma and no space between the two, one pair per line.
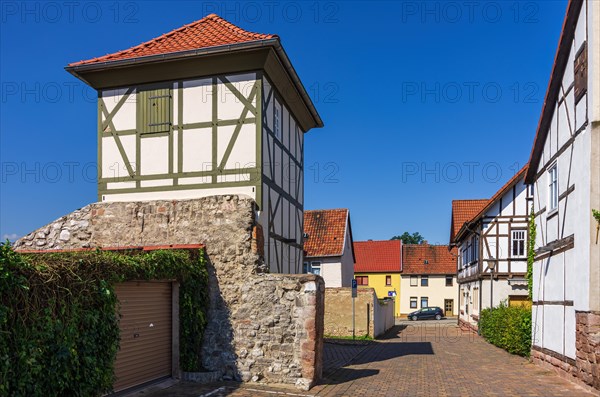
448,307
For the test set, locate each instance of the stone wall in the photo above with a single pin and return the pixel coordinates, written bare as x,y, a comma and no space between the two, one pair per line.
262,327
371,317
585,369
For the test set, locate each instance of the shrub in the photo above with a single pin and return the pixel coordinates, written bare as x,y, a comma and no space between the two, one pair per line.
507,327
59,323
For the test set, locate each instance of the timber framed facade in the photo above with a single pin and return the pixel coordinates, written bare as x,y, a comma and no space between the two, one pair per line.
226,117
565,175
492,252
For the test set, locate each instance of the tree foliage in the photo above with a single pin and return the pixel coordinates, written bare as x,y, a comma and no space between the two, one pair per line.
408,238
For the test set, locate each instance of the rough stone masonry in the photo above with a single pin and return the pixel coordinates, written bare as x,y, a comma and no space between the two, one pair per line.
262,327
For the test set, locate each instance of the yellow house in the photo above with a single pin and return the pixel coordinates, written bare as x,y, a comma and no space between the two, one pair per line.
378,265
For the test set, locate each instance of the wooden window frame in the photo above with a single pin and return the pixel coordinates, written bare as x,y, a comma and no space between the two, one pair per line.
426,280
451,278
360,280
426,299
513,241
416,281
388,280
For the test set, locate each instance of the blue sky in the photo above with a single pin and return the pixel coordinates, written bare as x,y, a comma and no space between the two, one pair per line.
423,102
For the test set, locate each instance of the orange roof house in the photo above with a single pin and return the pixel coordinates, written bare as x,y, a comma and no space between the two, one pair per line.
428,278
378,266
328,247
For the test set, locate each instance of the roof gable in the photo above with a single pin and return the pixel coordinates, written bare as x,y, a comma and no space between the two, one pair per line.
428,259
501,192
210,31
462,212
378,256
326,232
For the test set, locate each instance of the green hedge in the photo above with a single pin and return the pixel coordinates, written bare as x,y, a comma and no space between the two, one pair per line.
508,327
59,325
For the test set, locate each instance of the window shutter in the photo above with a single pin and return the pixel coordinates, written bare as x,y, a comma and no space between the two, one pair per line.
156,110
581,73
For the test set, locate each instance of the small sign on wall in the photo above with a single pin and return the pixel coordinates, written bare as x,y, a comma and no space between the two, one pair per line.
354,287
392,293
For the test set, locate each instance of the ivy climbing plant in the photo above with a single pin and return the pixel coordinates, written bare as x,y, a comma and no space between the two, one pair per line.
596,215
531,252
59,322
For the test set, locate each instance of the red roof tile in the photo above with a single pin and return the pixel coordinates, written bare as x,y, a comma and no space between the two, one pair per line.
326,231
378,256
210,31
440,259
463,211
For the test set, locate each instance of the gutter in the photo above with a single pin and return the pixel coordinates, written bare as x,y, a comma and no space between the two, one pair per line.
76,70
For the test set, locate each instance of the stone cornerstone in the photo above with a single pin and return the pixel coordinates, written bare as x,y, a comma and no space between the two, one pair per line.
585,369
262,327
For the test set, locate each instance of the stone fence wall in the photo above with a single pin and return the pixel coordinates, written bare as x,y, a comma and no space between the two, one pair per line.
262,327
372,317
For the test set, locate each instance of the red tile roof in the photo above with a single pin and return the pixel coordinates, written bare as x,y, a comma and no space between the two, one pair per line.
210,31
463,211
440,259
326,230
378,256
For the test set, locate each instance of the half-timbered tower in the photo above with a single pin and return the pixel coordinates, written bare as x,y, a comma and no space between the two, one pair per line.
565,174
207,109
492,250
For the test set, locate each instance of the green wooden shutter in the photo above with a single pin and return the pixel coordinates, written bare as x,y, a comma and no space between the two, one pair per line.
156,115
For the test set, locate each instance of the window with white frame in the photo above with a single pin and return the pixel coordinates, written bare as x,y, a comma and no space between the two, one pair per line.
424,301
553,187
518,243
315,268
414,281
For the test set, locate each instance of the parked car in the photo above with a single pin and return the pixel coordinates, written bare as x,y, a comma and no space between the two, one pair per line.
427,313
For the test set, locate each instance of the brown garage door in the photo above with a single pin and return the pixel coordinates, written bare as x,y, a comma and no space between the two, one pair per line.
145,351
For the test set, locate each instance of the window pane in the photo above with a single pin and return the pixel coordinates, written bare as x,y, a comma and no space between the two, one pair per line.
424,302
413,281
424,281
388,280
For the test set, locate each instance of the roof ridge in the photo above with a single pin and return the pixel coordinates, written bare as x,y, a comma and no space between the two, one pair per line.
160,39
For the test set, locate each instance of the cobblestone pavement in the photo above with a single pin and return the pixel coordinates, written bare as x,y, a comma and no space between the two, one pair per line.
420,359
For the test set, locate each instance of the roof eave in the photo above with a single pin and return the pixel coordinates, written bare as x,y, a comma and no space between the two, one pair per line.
558,69
79,70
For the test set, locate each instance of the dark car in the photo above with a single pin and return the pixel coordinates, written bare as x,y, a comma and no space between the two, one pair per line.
427,313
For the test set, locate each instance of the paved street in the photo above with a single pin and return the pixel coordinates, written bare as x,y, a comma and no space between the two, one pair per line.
414,359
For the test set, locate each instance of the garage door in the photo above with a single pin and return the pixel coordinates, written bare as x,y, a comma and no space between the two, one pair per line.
145,350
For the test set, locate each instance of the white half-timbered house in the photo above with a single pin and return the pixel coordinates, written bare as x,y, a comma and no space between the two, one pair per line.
492,250
207,109
564,172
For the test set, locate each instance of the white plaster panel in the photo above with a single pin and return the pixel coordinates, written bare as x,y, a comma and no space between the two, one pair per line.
564,131
181,194
157,182
175,102
278,166
230,107
243,154
120,185
125,118
538,279
581,112
195,180
268,108
267,154
569,75
537,325
154,152
113,165
197,150
580,29
570,330
197,101
554,279
233,178
518,267
553,328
